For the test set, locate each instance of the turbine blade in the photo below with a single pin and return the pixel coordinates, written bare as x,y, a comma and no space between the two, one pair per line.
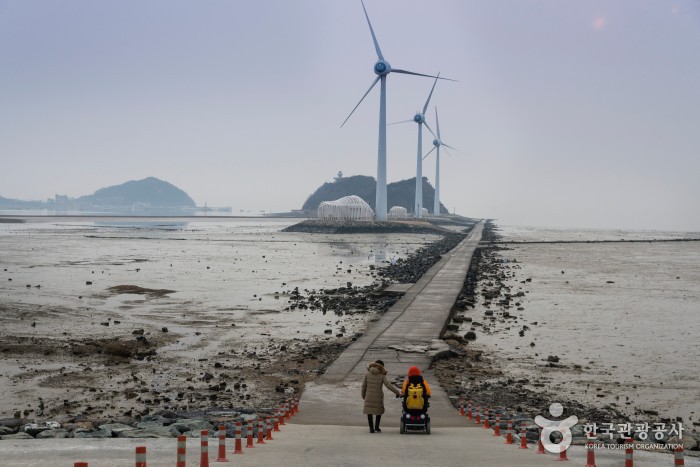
430,129
434,147
405,72
425,107
374,38
437,123
448,146
402,121
363,98
446,151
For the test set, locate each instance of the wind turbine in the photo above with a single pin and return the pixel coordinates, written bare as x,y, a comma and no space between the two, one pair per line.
381,69
419,118
437,142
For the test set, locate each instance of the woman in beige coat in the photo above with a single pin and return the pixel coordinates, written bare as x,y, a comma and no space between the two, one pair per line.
373,394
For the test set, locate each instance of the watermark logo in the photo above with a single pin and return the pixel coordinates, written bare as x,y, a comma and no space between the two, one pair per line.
552,426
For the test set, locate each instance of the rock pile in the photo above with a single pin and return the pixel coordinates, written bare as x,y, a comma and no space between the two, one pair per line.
164,424
328,226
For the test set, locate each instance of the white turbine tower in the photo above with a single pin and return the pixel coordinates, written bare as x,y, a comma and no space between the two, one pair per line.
419,118
381,69
437,142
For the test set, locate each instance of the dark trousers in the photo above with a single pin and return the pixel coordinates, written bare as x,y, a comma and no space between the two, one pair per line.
374,426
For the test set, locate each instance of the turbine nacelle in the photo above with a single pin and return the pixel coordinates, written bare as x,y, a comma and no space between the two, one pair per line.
382,68
418,118
436,142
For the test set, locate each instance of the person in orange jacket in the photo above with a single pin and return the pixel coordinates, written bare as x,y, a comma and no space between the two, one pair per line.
415,378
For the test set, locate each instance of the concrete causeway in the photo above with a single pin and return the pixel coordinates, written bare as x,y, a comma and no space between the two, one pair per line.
401,338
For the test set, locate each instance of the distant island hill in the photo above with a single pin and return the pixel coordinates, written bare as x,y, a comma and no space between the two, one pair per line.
401,193
152,196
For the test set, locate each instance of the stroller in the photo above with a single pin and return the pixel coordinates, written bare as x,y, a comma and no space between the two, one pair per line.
414,416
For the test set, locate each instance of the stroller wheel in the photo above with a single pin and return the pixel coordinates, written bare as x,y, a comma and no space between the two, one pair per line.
427,427
402,427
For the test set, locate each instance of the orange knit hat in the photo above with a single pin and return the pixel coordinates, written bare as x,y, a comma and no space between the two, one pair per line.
413,371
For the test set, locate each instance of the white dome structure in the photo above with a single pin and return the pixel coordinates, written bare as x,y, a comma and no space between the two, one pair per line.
398,212
423,212
349,208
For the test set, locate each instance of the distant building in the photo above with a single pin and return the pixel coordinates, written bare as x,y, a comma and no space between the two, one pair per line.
398,212
61,202
348,208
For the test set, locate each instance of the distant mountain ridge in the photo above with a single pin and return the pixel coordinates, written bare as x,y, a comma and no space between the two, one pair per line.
150,191
401,193
151,194
10,203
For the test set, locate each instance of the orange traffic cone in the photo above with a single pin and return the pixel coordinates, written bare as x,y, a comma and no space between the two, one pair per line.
275,421
249,434
590,452
268,427
181,451
204,448
222,445
540,446
238,435
509,432
678,457
629,453
523,436
562,454
261,431
140,456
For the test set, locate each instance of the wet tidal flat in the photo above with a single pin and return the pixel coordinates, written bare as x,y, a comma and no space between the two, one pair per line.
606,318
126,317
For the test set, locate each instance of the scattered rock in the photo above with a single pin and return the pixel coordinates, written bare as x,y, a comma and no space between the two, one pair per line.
688,441
117,349
185,424
116,428
53,434
92,434
449,335
34,428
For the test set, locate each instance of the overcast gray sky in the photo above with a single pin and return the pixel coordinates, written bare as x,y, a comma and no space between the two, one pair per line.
571,114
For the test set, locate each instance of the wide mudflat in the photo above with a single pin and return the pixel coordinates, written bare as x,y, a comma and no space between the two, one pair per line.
604,322
117,321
